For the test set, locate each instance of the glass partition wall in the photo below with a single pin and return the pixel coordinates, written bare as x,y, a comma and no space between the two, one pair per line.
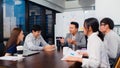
13,16
44,17
23,14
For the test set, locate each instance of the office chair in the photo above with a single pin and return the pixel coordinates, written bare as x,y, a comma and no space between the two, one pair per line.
117,62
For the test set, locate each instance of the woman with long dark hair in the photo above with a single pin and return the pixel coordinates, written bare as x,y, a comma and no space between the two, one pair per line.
15,38
97,57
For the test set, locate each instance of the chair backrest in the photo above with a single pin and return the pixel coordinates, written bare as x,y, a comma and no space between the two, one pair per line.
117,63
2,48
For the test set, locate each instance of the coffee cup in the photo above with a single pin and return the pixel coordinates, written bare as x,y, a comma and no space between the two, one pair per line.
20,51
65,50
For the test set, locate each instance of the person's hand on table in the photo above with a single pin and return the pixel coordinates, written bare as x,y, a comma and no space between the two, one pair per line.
49,47
83,53
62,40
53,46
73,59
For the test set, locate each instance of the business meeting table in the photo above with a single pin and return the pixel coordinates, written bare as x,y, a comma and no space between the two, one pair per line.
43,59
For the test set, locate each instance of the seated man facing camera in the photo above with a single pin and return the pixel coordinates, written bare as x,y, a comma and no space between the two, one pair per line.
34,41
74,39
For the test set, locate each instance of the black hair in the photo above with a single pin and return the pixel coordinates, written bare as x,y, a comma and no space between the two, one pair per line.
76,24
36,28
108,21
94,24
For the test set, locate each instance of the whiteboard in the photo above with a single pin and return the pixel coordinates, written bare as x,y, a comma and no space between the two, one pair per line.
63,21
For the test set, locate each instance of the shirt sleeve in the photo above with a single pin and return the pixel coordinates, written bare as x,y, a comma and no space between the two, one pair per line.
67,36
112,46
43,42
29,44
12,49
82,42
65,40
90,63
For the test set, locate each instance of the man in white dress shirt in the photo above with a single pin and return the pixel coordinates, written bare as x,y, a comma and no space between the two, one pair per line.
34,41
111,39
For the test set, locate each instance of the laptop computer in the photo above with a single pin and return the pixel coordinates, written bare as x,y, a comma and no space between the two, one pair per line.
29,52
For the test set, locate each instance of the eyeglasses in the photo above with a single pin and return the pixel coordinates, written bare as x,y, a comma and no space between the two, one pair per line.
102,24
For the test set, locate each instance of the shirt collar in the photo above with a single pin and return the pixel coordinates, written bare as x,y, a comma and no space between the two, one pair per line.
35,38
75,34
93,34
109,32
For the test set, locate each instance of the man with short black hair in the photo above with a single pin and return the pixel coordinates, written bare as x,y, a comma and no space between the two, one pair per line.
111,39
74,39
34,40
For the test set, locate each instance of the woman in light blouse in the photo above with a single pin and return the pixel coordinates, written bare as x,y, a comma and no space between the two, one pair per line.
97,57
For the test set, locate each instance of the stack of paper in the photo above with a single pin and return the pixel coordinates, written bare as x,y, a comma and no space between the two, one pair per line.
12,58
70,52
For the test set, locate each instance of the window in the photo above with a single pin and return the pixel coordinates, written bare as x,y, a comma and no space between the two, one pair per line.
13,15
117,29
44,17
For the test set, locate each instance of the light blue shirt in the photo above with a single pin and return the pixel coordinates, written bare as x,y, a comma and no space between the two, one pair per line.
33,43
112,43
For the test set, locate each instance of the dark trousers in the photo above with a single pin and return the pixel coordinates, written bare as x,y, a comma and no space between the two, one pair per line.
112,62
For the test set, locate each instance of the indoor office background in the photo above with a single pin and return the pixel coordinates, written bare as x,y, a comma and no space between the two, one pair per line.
53,15
25,13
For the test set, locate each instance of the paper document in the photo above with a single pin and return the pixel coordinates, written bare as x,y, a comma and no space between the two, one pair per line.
69,52
12,58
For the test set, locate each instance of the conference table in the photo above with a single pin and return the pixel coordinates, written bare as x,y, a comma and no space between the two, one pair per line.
43,59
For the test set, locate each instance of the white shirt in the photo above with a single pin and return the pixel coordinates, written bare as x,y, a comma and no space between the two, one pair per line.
96,52
33,43
112,43
73,46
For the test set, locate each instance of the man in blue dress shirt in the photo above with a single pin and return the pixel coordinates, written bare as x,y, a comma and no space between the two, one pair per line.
34,41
